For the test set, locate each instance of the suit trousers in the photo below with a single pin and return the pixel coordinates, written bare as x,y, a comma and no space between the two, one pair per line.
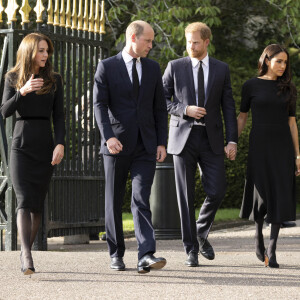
141,166
197,151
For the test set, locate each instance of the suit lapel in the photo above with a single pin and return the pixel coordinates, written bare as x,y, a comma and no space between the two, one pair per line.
190,79
211,77
123,71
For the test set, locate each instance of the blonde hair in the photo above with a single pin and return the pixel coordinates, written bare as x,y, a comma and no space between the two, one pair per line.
24,66
202,28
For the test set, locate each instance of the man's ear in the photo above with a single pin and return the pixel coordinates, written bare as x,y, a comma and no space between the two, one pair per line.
133,37
206,42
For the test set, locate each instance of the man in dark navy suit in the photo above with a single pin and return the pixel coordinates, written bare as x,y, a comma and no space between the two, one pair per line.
131,114
197,88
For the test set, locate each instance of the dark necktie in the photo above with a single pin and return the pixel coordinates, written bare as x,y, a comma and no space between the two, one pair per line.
201,91
135,80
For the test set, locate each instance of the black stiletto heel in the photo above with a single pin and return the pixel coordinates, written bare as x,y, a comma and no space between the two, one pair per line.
272,263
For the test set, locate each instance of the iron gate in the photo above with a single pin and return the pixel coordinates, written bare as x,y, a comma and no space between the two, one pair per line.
75,201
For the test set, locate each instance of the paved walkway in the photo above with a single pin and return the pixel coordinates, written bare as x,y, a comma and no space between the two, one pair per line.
82,271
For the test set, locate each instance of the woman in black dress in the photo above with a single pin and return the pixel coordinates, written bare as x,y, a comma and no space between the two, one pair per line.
35,94
273,159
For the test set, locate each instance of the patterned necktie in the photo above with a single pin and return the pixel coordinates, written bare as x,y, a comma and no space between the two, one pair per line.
201,91
135,80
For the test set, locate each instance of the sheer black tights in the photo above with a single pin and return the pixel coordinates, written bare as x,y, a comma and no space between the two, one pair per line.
28,225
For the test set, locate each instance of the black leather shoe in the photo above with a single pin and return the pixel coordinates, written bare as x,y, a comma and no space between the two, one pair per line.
117,264
206,249
288,224
149,261
192,260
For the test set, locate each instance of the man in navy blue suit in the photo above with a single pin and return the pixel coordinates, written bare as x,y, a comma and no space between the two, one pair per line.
131,114
197,88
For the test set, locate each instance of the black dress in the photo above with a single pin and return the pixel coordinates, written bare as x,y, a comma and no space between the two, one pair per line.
270,181
32,144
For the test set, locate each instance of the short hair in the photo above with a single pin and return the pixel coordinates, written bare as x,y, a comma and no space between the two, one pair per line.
202,28
136,27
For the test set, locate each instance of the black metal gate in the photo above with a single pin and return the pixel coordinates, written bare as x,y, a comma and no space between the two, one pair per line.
75,201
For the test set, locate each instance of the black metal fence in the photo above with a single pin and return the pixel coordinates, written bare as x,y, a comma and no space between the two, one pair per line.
75,201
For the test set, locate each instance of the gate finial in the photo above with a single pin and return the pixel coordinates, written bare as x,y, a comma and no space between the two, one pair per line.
56,13
11,11
102,19
91,18
97,18
1,11
68,14
39,8
86,16
62,14
74,15
50,13
80,15
24,11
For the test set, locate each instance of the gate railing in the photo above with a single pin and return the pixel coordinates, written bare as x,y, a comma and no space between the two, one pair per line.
75,201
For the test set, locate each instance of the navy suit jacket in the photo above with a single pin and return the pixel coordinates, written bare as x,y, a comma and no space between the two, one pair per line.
119,115
180,91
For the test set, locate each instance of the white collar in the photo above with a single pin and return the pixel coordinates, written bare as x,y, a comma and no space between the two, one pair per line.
127,57
195,61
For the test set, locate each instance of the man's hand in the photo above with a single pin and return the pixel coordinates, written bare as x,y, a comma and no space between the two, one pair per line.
161,153
114,146
195,111
231,150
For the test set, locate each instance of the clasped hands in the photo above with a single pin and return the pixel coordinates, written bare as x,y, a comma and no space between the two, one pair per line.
197,112
114,146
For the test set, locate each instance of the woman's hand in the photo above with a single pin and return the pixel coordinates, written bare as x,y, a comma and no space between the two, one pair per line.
32,85
297,161
58,154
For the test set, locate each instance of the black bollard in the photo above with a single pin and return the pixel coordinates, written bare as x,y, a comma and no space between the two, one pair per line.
163,202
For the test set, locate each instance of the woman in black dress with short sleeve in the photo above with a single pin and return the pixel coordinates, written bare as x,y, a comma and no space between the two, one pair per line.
35,94
273,159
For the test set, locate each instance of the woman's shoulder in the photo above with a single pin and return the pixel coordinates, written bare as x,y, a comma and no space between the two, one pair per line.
11,78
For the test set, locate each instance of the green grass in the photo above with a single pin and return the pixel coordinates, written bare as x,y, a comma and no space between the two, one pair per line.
223,215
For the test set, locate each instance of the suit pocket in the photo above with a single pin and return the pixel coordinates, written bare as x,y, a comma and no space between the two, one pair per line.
174,123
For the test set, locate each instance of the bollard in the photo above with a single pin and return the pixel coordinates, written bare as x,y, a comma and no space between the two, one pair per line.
163,202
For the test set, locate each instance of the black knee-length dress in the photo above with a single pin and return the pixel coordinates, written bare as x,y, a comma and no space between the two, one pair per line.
32,145
270,181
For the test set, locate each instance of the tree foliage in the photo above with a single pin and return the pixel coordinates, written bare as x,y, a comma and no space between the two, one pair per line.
241,30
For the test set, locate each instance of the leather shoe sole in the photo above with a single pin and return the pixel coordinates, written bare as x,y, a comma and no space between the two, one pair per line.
156,265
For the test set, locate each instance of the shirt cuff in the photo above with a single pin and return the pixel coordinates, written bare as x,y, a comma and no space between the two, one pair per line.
232,143
184,112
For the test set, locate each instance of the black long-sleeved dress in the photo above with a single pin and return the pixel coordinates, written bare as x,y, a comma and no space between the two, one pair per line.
270,181
33,144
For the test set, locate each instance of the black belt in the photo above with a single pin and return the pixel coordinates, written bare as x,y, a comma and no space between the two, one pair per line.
32,118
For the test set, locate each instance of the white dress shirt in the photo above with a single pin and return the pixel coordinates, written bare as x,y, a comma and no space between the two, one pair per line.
195,68
128,62
205,66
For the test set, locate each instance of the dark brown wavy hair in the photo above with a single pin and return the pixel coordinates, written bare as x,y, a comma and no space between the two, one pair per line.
24,66
285,81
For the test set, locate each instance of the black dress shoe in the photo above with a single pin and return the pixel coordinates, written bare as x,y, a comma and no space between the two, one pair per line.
192,260
206,249
288,224
117,264
149,261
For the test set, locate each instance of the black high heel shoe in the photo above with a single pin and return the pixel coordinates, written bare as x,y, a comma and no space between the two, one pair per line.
272,263
260,255
26,271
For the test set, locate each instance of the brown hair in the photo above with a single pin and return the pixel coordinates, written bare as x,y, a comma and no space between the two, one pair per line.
203,29
24,66
285,81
